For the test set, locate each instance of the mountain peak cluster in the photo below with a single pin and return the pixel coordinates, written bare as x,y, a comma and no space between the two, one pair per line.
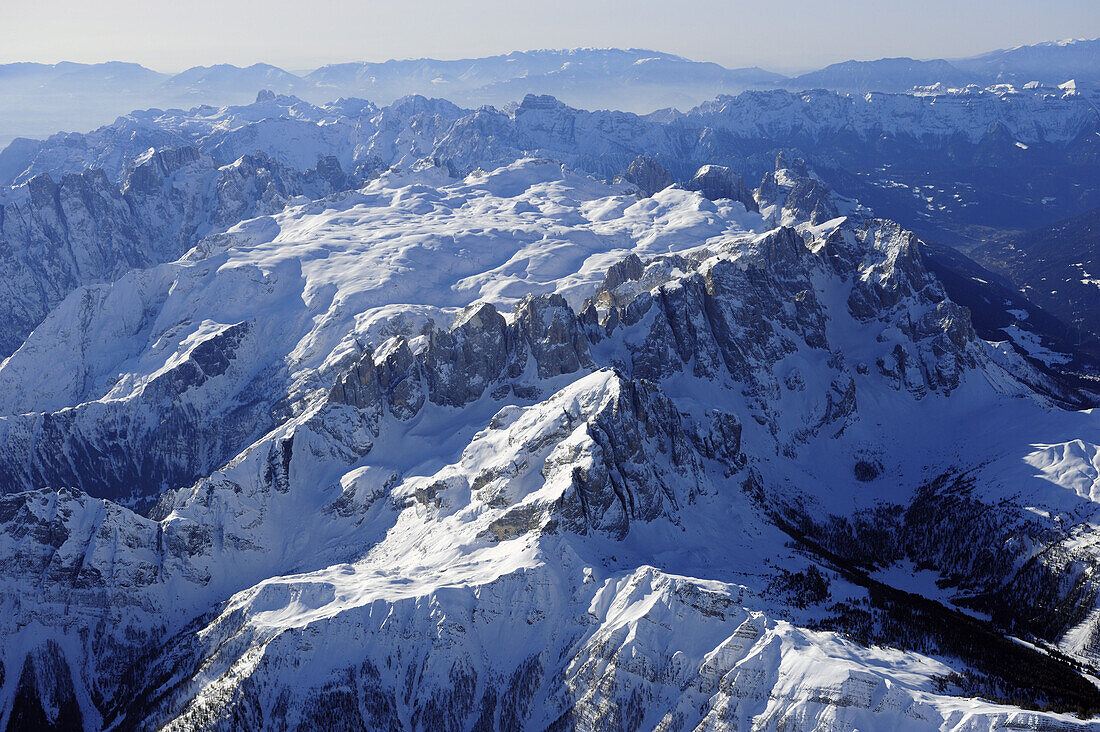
777,412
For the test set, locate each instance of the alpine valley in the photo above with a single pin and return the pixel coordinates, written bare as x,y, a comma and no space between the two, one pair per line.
411,416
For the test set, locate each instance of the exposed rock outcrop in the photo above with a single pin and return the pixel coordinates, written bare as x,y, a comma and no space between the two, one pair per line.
717,182
648,174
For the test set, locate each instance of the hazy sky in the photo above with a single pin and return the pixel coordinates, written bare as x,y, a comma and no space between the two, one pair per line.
302,34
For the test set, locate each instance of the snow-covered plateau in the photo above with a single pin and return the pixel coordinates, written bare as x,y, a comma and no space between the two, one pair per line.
367,419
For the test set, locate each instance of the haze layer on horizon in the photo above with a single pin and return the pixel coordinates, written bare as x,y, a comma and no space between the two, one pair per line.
787,35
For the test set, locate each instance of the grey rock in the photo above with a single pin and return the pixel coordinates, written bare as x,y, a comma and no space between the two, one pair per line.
801,196
647,174
811,200
462,362
549,330
399,378
717,182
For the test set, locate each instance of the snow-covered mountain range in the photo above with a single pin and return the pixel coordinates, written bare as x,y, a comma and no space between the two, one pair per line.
210,167
356,131
522,449
412,416
37,99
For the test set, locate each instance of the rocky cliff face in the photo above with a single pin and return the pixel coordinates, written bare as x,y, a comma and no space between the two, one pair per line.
717,182
62,235
648,174
55,237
